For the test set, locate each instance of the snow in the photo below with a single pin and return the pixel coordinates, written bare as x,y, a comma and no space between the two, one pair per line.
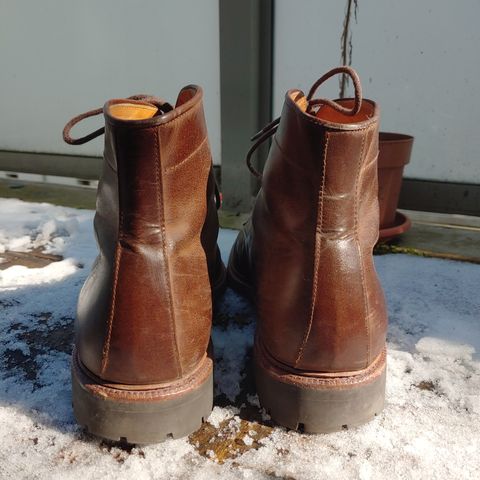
429,429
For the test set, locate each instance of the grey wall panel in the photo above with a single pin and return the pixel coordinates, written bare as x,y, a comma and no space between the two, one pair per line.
419,59
59,58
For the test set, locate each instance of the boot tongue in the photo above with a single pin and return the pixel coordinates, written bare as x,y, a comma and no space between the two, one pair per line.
129,110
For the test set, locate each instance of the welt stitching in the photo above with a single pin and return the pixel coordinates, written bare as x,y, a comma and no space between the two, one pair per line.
276,368
362,272
95,384
166,274
318,242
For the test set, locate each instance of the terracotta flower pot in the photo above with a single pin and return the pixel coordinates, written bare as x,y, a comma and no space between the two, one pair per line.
394,154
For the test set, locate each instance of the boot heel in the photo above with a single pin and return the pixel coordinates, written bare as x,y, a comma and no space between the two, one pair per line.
320,404
142,416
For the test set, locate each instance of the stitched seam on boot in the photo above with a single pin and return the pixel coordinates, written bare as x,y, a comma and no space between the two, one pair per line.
166,273
360,256
318,242
118,254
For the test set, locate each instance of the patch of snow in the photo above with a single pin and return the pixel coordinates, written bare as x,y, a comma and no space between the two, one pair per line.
253,400
219,415
18,275
429,428
248,440
231,345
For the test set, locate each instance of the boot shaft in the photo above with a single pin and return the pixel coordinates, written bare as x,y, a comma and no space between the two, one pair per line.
144,313
315,224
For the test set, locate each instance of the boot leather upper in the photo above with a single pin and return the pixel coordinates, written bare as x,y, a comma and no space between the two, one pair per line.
307,250
144,313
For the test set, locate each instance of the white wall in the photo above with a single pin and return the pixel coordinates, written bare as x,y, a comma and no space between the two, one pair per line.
419,59
59,58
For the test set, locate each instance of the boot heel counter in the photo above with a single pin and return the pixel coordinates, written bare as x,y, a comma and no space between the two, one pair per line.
140,342
346,327
337,334
159,322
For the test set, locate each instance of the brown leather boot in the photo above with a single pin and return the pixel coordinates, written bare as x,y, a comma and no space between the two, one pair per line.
306,259
142,366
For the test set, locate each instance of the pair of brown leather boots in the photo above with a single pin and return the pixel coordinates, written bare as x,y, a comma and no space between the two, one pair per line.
142,365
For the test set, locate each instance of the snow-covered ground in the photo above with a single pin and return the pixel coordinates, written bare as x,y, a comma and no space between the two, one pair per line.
429,429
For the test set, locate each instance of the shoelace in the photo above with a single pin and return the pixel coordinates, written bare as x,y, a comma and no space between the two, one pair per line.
313,105
163,106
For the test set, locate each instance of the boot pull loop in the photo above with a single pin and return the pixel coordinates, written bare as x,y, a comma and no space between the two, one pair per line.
79,141
163,106
331,103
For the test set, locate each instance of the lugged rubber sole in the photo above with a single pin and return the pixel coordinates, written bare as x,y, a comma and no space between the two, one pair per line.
142,416
324,404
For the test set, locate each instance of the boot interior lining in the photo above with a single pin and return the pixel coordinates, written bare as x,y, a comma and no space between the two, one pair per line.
132,111
328,114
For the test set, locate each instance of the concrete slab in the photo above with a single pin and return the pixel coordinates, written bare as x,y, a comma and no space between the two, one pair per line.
456,237
34,259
